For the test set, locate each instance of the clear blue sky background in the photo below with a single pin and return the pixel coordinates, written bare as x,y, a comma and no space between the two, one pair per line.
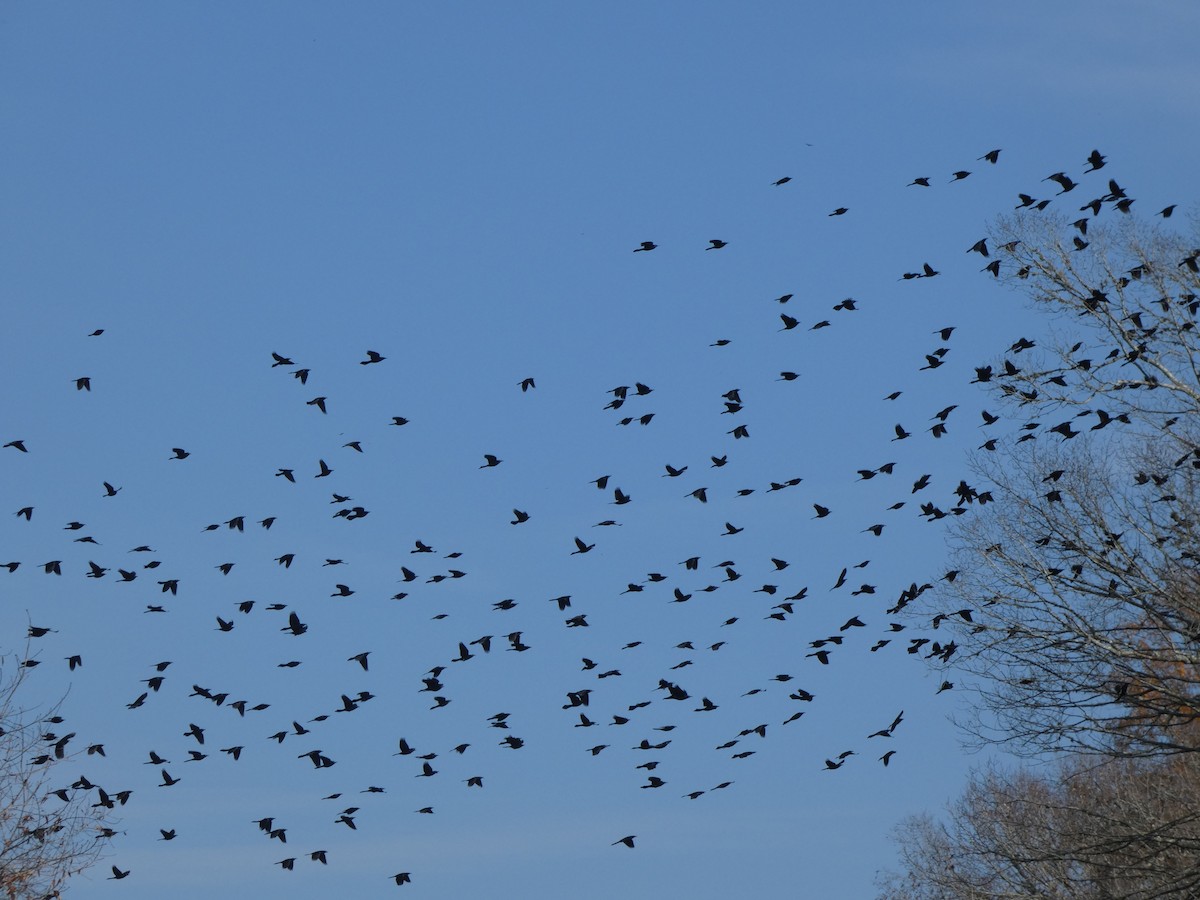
459,186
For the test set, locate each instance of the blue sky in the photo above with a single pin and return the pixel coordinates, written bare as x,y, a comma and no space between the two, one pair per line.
459,186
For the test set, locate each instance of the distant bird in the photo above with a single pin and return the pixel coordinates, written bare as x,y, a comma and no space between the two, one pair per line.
490,461
180,453
83,384
716,244
922,182
646,246
784,180
318,402
372,357
991,156
840,211
1062,181
527,384
1095,161
17,445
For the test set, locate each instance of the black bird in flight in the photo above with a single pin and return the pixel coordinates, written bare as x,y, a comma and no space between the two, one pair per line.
646,246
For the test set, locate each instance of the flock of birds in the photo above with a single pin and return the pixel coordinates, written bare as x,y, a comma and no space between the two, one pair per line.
876,616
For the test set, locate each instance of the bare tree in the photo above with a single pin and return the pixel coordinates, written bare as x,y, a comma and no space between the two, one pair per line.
1080,830
48,832
1085,625
1078,587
